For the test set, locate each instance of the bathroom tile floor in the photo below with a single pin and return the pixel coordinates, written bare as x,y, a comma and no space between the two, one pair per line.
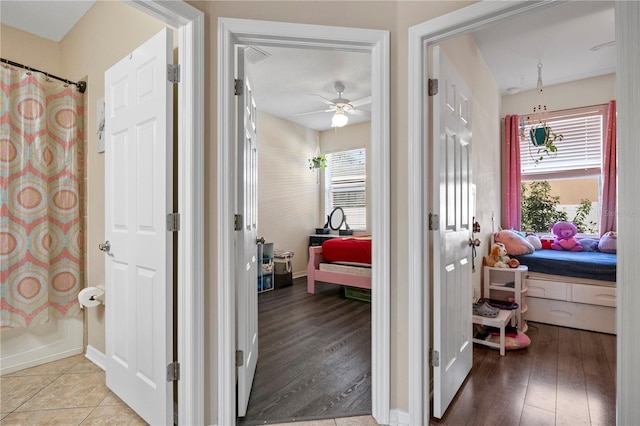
72,391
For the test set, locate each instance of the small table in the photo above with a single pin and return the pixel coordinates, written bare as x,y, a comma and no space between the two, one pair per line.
500,322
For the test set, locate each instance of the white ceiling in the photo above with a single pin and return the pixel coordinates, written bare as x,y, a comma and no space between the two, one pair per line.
560,37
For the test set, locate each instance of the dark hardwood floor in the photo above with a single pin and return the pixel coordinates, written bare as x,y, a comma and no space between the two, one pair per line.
315,363
565,377
314,356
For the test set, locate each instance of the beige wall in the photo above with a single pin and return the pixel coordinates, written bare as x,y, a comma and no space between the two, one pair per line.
571,191
349,137
31,50
575,94
288,194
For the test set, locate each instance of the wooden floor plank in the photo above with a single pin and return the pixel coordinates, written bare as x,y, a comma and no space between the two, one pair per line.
541,391
314,356
572,407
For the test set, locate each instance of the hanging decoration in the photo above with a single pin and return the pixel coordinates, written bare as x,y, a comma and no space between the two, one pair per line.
543,138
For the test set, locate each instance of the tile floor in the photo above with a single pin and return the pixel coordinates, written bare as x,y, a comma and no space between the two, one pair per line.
72,391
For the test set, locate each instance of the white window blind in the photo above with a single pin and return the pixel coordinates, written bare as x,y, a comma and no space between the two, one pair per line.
345,185
580,149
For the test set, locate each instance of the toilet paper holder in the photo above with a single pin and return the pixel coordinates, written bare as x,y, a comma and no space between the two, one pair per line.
91,296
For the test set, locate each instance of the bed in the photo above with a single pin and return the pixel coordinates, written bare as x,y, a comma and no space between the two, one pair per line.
571,289
342,261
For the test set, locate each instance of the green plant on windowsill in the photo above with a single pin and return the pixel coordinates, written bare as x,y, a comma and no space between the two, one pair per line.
319,162
544,139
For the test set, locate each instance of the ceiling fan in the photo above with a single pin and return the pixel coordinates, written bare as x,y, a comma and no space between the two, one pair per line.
341,107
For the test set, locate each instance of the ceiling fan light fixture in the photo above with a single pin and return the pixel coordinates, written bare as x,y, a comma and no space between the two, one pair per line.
339,119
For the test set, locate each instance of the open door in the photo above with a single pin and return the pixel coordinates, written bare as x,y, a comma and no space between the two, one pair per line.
246,235
452,286
138,260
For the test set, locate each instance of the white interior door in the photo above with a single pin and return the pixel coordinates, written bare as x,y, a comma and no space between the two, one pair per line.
138,197
452,286
246,237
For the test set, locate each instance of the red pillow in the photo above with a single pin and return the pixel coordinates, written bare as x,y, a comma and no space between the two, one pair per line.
546,243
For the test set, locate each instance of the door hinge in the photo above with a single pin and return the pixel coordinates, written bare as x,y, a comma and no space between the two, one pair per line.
239,358
433,86
238,222
173,222
238,87
173,73
173,371
434,357
434,222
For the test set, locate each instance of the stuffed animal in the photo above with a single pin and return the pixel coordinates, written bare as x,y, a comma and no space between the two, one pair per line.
588,244
515,243
608,242
498,257
565,233
534,240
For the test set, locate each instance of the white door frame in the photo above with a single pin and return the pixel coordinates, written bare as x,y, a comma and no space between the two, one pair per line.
189,22
232,32
628,102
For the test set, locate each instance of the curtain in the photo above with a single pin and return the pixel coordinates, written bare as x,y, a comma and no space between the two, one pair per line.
40,234
609,172
512,173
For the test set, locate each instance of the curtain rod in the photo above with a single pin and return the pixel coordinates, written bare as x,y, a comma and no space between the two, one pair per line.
81,85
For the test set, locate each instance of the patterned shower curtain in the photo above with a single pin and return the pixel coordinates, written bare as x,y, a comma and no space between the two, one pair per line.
41,229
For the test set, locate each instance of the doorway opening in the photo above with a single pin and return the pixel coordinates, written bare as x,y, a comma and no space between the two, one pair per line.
421,37
237,32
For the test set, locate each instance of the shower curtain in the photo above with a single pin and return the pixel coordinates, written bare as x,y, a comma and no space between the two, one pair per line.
41,229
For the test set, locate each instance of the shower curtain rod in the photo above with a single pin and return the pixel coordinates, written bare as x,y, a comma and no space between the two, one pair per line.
81,85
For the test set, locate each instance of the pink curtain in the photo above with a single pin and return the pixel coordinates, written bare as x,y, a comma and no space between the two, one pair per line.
40,233
512,171
608,204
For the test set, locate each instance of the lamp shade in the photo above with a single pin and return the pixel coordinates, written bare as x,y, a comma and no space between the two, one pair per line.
339,119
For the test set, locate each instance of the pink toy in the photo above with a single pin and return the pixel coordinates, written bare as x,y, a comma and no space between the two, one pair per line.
565,232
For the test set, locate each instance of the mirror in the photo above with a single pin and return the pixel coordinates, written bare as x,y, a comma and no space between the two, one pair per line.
336,218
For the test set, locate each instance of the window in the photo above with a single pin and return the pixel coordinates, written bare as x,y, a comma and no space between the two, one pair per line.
572,177
345,186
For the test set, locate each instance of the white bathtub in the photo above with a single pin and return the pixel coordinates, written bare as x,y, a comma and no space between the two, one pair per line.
27,347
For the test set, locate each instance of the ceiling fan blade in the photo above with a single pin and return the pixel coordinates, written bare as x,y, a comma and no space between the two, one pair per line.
323,99
360,112
314,112
362,101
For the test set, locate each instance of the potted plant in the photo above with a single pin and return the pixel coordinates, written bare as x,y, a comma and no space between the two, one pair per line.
319,162
545,139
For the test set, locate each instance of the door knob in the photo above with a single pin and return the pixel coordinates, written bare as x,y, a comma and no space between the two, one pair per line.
105,247
474,243
260,240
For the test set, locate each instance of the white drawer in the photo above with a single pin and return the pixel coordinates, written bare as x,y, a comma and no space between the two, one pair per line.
548,289
594,295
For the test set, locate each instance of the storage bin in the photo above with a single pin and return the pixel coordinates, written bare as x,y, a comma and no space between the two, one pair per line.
363,294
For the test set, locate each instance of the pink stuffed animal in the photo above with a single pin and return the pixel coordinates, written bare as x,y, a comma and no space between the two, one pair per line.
565,232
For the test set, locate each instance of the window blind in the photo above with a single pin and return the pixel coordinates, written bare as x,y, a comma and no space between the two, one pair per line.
345,185
580,148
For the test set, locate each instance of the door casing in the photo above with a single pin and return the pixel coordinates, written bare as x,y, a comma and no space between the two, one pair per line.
463,21
189,22
233,32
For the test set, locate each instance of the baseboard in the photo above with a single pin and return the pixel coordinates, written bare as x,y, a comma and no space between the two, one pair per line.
95,356
398,418
299,274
